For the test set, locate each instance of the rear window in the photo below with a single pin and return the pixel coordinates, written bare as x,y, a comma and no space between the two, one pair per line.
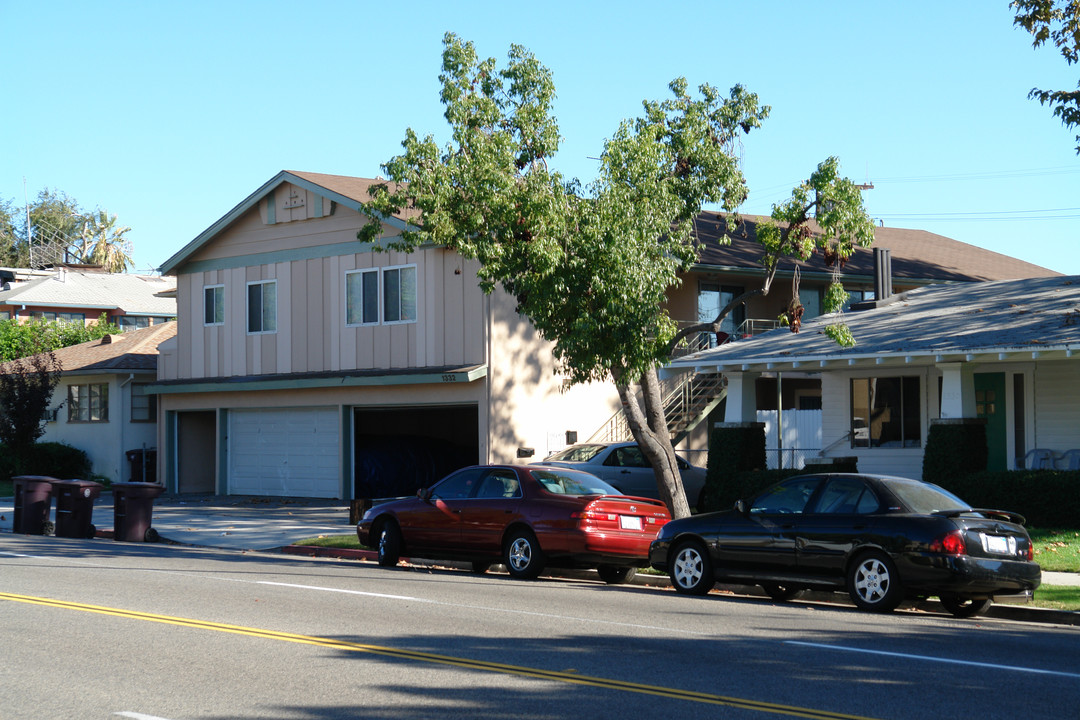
577,453
922,497
562,482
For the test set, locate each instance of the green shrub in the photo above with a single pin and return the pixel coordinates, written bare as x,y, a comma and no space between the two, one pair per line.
1047,498
953,449
733,448
51,459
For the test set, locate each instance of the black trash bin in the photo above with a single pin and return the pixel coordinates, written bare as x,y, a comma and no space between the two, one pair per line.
75,507
33,497
143,465
133,508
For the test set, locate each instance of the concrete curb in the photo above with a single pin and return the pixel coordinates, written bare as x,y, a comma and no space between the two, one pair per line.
998,611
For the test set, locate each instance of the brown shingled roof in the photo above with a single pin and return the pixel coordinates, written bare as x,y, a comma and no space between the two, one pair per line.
131,351
917,255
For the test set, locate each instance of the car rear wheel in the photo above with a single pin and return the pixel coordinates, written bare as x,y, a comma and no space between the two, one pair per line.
781,593
691,569
874,584
616,575
389,544
964,607
522,555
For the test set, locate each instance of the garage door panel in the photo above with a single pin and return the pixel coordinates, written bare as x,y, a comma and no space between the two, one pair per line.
284,452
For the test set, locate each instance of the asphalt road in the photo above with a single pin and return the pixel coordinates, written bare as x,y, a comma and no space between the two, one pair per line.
105,630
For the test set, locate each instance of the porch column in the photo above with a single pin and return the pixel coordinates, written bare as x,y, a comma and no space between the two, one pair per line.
741,397
957,390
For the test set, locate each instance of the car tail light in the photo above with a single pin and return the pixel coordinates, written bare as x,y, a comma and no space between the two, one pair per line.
951,544
587,516
1031,551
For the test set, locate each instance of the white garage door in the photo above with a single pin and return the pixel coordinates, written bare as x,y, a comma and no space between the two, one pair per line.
284,453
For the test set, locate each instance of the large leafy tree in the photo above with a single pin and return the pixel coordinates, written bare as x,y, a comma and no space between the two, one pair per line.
26,388
1056,21
54,230
592,267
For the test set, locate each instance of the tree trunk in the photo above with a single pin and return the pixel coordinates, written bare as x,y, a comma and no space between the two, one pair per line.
649,428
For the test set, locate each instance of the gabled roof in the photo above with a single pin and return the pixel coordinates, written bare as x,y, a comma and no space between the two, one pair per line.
342,189
918,257
135,351
1018,320
71,288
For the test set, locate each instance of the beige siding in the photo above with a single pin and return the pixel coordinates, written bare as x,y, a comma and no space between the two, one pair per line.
530,408
311,332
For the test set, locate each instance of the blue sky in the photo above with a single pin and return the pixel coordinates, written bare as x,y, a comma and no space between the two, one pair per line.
169,114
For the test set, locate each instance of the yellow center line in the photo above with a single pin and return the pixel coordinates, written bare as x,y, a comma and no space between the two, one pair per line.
537,673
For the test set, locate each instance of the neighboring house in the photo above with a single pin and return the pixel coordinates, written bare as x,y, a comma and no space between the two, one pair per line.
100,405
1006,351
82,294
308,364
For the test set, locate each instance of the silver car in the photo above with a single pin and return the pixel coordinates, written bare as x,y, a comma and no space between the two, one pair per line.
624,466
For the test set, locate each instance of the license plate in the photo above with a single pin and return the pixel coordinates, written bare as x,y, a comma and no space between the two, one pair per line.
629,522
999,545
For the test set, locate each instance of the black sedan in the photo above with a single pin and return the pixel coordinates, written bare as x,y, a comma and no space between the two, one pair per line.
883,539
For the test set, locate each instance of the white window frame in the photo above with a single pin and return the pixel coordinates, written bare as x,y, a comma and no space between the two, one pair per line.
263,330
362,309
382,295
218,289
381,309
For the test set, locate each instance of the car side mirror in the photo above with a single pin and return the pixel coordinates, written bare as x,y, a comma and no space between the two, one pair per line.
740,507
424,494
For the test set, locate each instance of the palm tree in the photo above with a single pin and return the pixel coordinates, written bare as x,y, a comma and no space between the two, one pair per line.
102,243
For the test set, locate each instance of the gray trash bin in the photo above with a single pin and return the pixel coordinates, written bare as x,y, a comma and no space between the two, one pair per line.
133,508
33,498
75,507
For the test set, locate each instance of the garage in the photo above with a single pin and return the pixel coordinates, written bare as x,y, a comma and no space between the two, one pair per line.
291,452
401,449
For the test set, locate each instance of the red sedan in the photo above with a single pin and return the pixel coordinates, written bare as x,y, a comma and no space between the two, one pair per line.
527,517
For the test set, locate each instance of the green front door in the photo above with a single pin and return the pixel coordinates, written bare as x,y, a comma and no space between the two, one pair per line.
990,405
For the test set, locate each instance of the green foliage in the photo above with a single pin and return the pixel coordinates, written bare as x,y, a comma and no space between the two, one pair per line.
840,334
732,450
26,387
50,459
1057,21
835,297
1046,498
24,339
954,449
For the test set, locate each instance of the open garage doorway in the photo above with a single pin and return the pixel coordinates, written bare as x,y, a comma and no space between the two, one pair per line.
399,450
196,439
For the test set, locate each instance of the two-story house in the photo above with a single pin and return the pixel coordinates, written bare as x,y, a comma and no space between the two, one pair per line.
309,364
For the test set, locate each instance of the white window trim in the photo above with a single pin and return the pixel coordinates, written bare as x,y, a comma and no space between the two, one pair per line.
382,293
378,297
213,287
381,309
247,306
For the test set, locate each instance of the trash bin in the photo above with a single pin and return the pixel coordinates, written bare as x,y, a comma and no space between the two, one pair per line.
143,465
75,507
133,507
33,497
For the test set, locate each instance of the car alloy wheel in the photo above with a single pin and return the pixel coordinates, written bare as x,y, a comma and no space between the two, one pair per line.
389,544
874,584
691,571
522,555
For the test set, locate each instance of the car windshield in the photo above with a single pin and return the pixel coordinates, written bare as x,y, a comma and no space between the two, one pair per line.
922,497
577,453
572,483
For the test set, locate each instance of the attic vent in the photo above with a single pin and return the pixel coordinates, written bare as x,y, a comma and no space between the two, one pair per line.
109,339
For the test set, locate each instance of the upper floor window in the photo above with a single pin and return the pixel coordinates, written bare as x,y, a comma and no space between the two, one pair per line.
88,403
128,323
143,404
214,305
885,412
386,295
262,306
67,317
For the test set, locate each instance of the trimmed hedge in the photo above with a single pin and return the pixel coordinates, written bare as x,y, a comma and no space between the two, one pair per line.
953,449
734,448
51,459
1047,498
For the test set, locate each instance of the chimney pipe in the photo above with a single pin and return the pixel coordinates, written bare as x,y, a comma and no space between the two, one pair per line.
882,273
